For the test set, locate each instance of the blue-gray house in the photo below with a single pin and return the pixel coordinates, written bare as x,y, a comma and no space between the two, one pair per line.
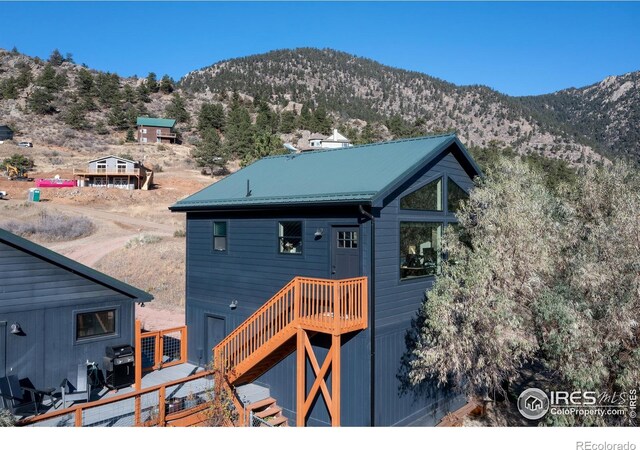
56,313
324,255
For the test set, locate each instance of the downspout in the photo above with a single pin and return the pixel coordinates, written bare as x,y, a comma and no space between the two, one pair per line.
372,316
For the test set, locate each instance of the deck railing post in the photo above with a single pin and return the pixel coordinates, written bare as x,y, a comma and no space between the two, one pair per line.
78,417
297,303
137,410
138,356
183,346
364,301
336,306
161,406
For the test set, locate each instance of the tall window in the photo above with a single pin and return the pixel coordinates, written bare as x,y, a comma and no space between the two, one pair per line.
427,198
420,254
95,323
455,194
220,236
290,237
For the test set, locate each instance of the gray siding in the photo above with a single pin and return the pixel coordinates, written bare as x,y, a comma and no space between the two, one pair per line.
112,164
251,272
44,298
396,302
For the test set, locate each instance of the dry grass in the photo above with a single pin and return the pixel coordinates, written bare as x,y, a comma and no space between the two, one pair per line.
156,267
51,226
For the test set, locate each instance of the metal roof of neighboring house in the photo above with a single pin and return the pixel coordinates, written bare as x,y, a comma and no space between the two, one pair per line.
155,122
358,174
73,266
114,156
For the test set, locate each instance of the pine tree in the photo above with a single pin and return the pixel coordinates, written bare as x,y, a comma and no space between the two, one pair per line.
321,123
166,85
239,131
40,101
108,87
56,58
85,84
288,122
117,118
210,153
24,77
177,109
211,116
128,94
142,92
306,118
130,136
265,144
8,89
152,83
267,120
75,116
47,79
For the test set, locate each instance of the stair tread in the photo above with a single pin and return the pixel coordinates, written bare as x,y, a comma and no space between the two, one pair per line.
277,421
261,403
270,411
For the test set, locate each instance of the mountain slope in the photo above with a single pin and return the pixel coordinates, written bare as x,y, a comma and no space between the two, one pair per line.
359,88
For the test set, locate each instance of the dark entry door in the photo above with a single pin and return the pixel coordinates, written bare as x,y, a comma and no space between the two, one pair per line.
215,333
345,252
3,349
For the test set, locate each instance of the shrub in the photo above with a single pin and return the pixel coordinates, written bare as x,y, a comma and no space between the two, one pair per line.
143,239
52,227
180,233
7,419
157,168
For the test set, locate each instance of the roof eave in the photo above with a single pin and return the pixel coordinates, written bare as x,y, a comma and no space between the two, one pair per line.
265,206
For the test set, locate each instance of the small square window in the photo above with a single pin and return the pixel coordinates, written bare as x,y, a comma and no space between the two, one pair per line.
347,239
220,236
290,237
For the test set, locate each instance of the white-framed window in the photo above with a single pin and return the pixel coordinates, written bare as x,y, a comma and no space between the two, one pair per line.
144,139
144,131
120,182
99,182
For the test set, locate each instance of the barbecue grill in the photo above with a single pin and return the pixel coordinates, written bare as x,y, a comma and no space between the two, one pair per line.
119,366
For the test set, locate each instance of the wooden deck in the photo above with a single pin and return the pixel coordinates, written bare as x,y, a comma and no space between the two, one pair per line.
118,408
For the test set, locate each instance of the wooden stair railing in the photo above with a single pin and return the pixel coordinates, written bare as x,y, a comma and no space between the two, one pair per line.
304,306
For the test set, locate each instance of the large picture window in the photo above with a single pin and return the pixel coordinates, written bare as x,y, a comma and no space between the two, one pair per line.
420,254
220,236
290,237
427,198
95,323
455,194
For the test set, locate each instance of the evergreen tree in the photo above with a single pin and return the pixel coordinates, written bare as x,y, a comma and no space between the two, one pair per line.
238,131
166,85
14,50
40,101
265,144
211,116
128,94
142,92
321,123
130,135
8,89
288,122
306,118
56,58
267,120
24,77
47,79
100,128
108,87
210,153
177,109
152,83
117,118
367,135
68,57
75,116
85,84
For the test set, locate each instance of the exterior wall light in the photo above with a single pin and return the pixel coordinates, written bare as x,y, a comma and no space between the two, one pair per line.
233,304
15,328
319,232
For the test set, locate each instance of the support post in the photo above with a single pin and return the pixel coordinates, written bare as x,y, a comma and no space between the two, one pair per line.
183,346
78,417
300,379
137,410
161,406
335,381
296,299
138,356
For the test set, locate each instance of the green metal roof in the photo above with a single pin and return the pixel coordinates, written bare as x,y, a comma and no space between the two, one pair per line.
73,266
347,175
155,122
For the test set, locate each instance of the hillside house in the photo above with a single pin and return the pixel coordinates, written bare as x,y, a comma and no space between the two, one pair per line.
56,313
151,129
114,172
335,140
6,133
324,255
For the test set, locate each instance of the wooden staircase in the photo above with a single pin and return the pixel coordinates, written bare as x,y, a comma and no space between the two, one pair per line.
305,306
269,411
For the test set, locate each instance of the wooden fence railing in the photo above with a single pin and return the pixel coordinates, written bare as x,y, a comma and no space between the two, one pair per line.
181,402
163,348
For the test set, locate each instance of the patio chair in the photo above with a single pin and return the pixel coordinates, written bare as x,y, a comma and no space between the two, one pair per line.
77,390
14,397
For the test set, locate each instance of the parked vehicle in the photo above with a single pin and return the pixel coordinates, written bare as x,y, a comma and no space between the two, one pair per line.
25,144
3,194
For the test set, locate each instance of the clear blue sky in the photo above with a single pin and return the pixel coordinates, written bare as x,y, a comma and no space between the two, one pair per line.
516,48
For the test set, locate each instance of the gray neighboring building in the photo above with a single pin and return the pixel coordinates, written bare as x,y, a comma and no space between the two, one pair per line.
56,313
6,133
114,172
